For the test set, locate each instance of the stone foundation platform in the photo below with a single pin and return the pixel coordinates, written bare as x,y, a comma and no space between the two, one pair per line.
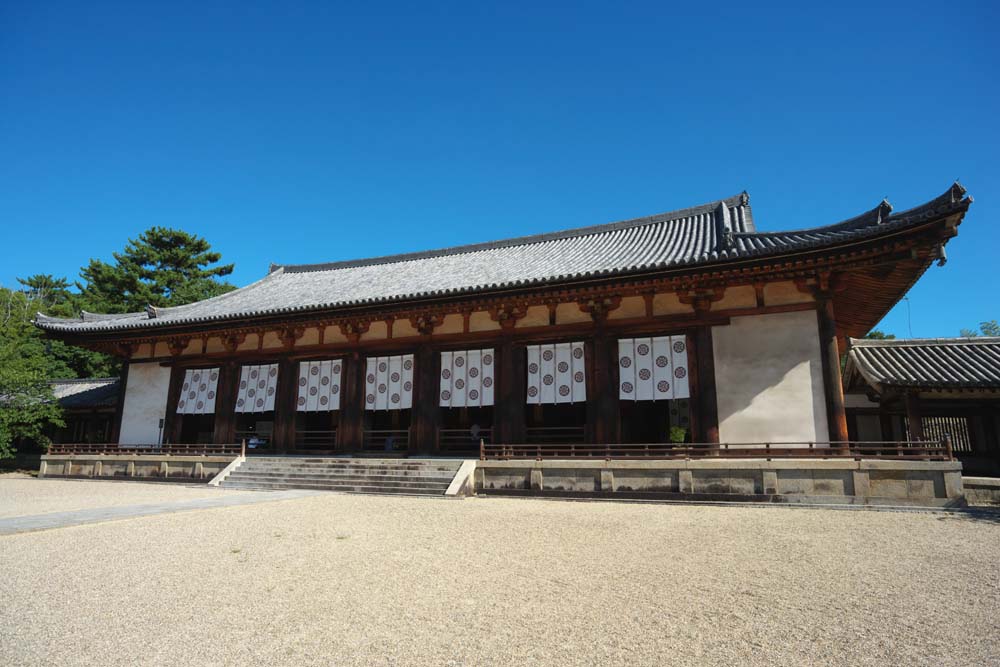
144,467
864,482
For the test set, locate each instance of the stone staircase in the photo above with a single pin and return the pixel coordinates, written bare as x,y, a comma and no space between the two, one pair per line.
392,476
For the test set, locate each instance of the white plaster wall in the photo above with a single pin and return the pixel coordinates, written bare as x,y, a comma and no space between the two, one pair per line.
145,403
769,379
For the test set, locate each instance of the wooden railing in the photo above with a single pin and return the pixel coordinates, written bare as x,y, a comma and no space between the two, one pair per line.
549,435
174,449
382,440
461,439
905,451
316,440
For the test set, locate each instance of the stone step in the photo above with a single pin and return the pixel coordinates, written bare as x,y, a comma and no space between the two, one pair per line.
383,489
277,478
390,476
357,471
323,470
317,466
294,464
372,462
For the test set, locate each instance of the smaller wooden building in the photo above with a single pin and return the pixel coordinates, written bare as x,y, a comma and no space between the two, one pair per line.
89,406
925,388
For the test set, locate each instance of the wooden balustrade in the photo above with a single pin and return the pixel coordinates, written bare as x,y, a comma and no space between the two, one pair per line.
461,439
172,449
889,450
553,435
386,440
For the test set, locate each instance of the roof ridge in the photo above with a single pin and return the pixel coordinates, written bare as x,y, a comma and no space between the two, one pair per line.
876,216
741,199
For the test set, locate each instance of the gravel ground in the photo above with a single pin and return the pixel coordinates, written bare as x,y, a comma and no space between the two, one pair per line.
355,580
22,495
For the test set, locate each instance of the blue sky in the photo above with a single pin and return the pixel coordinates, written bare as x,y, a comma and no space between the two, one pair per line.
321,132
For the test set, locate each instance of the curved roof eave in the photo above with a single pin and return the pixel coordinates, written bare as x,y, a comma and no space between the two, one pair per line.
875,222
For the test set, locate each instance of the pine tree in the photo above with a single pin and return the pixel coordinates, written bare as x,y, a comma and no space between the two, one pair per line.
163,267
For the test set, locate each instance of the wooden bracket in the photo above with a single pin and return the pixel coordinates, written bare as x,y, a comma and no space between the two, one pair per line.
598,308
507,314
177,345
289,335
125,350
233,341
425,323
352,329
702,299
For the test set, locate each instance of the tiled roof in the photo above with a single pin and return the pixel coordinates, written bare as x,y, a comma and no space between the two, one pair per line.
86,392
931,363
714,233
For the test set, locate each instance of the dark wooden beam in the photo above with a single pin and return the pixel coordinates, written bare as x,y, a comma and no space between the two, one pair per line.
352,403
603,390
116,428
509,396
913,416
225,403
705,401
285,407
425,409
833,386
171,420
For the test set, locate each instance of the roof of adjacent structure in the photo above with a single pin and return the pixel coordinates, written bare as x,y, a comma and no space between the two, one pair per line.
926,363
86,392
718,232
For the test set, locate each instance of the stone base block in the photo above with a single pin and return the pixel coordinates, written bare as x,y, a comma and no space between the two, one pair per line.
928,483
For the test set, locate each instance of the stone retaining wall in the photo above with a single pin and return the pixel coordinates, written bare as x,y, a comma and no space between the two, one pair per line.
139,467
982,490
922,483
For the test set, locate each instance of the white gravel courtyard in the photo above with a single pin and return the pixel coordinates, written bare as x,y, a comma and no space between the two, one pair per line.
355,580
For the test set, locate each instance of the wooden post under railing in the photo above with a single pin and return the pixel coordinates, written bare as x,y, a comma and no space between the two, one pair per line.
243,449
482,449
947,446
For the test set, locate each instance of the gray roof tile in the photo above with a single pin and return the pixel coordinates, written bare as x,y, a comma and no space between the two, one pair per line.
718,232
931,363
86,392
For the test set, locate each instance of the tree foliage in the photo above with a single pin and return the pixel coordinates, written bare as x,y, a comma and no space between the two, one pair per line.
162,267
26,404
875,334
990,328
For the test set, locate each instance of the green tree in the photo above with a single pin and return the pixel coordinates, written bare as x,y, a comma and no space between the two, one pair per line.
991,328
50,295
47,290
875,334
163,267
27,407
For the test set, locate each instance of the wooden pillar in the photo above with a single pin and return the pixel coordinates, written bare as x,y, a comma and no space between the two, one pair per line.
171,422
425,401
284,406
116,427
509,397
913,422
352,404
885,423
225,403
602,401
706,400
836,415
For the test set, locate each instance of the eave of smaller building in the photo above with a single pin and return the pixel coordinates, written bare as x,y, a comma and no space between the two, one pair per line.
931,364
